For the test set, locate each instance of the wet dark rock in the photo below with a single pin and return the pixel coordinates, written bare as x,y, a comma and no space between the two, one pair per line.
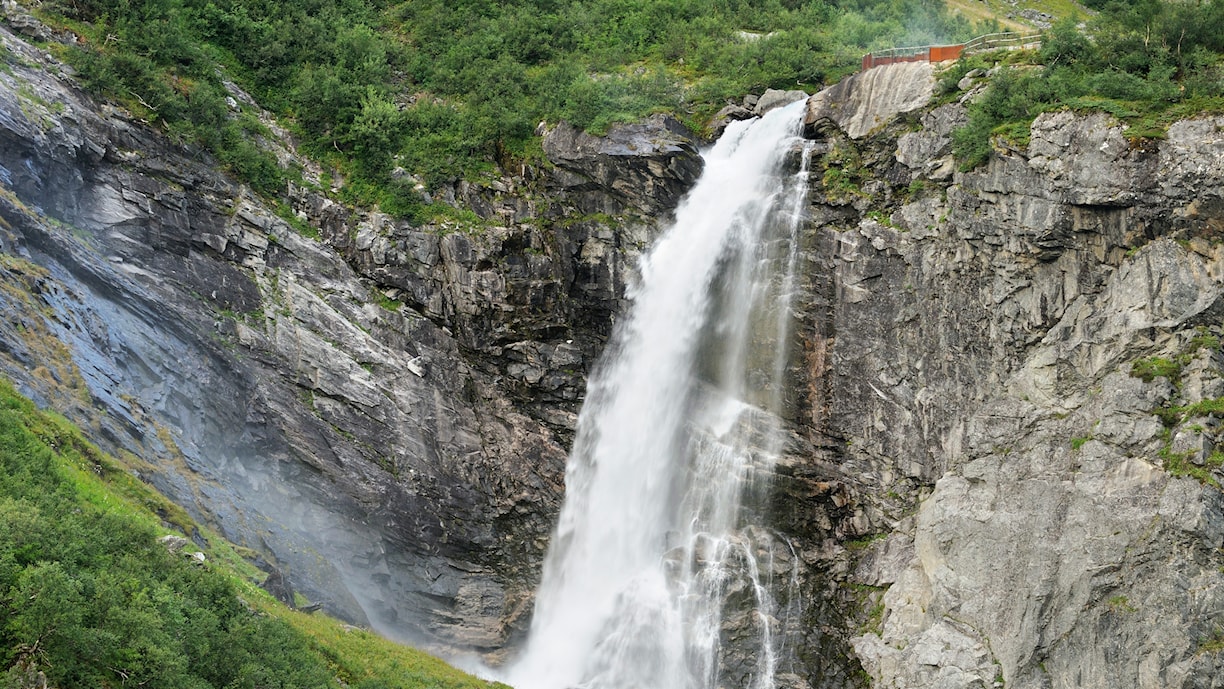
384,416
729,114
650,164
280,588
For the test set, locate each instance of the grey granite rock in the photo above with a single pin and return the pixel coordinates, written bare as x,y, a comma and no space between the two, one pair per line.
862,102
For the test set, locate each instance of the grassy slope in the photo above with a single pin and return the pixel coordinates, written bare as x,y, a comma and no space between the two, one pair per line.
47,469
443,88
1147,67
985,10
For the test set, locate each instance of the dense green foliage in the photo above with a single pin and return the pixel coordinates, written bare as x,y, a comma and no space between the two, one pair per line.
444,88
1146,62
89,597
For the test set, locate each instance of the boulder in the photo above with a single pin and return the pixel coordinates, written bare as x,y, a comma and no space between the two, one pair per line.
729,114
280,588
174,544
775,98
650,164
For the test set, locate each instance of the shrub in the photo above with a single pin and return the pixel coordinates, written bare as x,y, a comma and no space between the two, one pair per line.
349,74
87,594
1064,44
1141,62
1150,368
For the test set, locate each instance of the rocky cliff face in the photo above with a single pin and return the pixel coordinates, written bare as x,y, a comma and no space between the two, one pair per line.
382,415
1016,374
1008,384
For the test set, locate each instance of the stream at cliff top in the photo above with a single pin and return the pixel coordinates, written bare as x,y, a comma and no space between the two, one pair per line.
675,443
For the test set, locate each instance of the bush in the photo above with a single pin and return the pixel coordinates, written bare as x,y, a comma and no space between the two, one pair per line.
1064,44
950,78
1143,63
349,74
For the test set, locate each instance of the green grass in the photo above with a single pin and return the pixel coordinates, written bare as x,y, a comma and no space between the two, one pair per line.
393,305
997,10
1121,604
863,542
90,598
1150,368
284,212
1203,408
1180,464
1173,416
870,602
360,658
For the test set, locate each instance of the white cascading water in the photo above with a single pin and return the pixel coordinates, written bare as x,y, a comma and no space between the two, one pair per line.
678,421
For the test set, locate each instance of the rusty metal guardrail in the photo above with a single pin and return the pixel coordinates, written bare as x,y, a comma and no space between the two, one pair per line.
939,53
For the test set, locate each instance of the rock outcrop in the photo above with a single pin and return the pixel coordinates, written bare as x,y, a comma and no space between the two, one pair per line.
864,101
649,165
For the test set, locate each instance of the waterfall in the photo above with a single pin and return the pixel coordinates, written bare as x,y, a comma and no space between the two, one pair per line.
678,433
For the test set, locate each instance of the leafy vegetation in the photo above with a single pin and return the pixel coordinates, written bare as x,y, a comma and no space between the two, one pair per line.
90,598
402,94
843,174
386,302
1121,604
1182,464
1176,418
1149,368
1191,464
870,603
1147,63
1213,643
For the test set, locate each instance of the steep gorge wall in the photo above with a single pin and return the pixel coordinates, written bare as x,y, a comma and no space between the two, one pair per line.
1018,513
381,415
